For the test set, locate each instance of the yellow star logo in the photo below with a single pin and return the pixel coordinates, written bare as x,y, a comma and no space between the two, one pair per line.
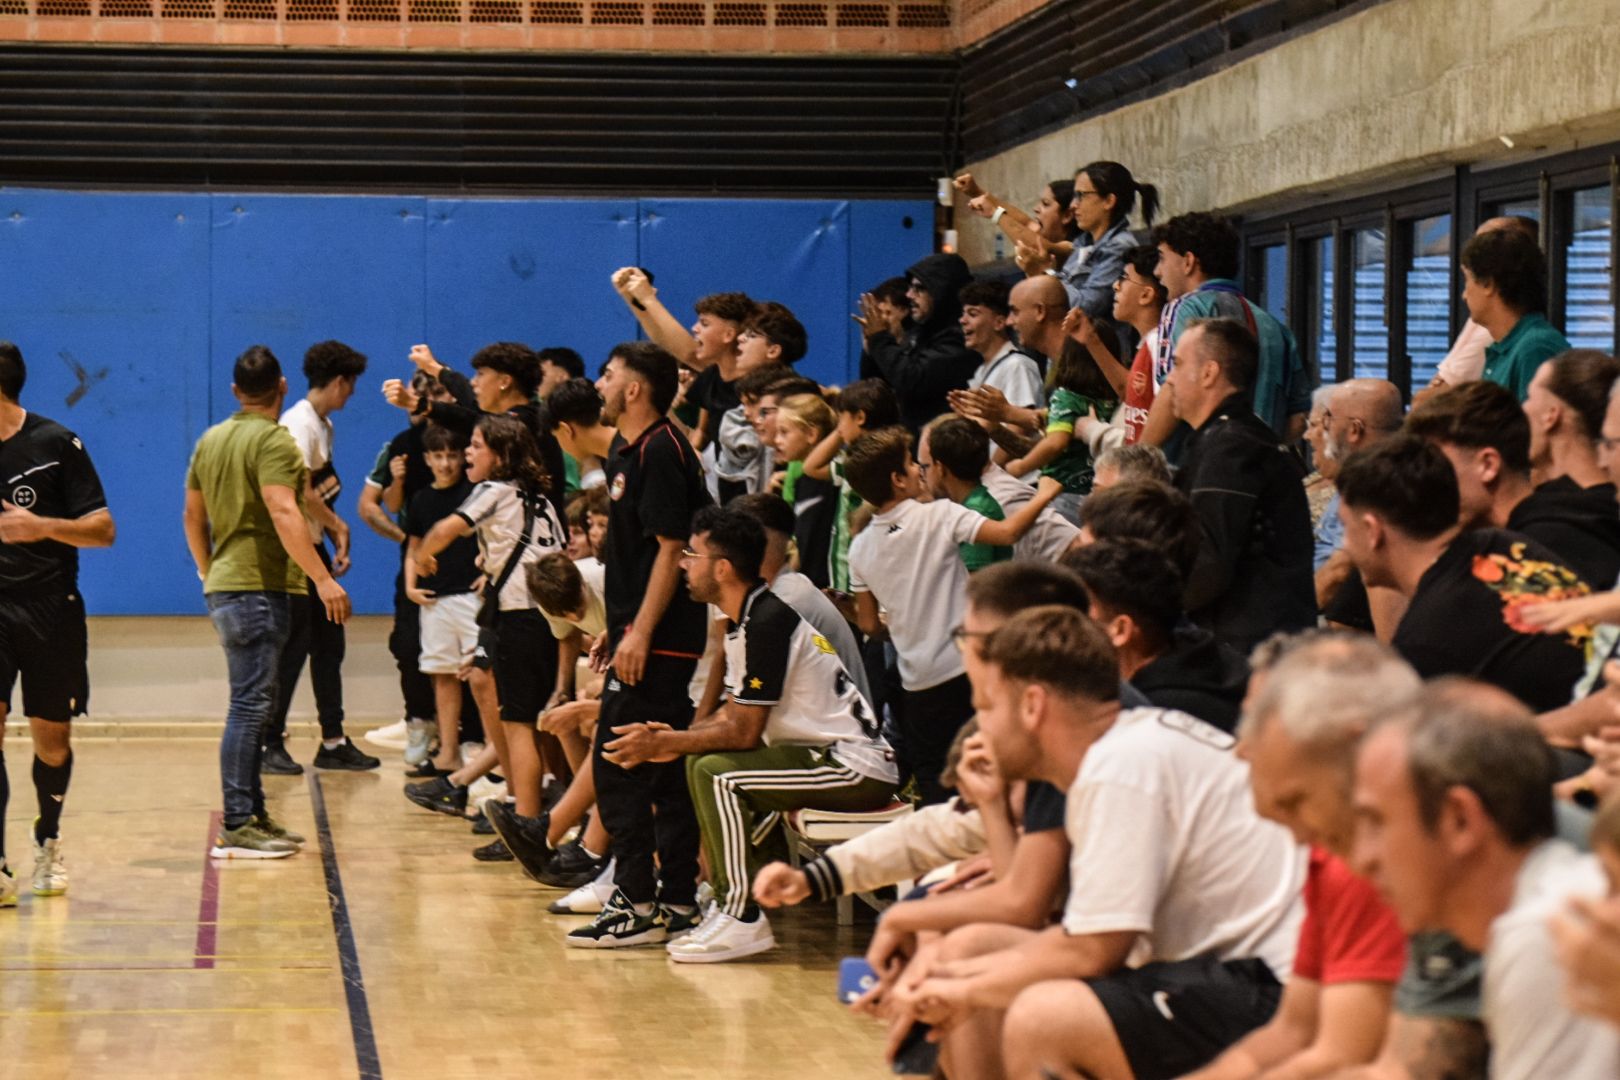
822,643
756,684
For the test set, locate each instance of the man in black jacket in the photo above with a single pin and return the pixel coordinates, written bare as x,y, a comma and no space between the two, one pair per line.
1252,577
931,358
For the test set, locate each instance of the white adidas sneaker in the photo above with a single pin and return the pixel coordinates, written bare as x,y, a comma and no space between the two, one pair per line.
50,872
721,938
587,899
418,741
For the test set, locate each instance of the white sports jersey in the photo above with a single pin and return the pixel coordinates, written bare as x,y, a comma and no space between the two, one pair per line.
776,659
495,511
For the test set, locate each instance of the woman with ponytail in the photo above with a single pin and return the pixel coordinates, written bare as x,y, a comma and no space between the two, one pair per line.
1104,195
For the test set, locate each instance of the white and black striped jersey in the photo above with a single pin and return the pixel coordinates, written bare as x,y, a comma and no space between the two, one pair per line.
776,659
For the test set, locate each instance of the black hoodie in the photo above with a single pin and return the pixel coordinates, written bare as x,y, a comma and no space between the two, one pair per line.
1581,525
930,358
1198,675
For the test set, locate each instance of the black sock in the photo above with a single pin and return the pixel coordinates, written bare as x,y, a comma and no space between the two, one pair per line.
51,783
5,797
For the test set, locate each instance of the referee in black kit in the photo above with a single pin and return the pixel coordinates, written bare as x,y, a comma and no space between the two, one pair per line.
51,504
655,637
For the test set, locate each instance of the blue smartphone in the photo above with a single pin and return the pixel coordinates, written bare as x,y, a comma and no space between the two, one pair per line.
855,977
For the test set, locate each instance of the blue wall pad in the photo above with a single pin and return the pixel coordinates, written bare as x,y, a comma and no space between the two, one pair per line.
130,309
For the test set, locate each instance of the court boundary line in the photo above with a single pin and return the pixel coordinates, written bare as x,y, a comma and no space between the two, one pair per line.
354,987
208,905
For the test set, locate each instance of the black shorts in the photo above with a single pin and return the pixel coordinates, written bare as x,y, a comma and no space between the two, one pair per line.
1172,1018
43,638
525,665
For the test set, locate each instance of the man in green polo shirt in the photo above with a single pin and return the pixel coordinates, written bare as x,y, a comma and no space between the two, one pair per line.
1505,288
952,454
245,527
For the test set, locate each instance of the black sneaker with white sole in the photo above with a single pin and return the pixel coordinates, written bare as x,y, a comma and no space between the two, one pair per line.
618,927
440,796
275,761
345,756
525,837
571,867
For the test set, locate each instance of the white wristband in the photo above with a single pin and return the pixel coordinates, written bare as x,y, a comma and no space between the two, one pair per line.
995,218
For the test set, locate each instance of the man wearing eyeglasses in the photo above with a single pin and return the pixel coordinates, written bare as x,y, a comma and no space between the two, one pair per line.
792,731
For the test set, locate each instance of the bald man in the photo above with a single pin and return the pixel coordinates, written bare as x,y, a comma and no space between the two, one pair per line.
1466,360
1036,308
1358,414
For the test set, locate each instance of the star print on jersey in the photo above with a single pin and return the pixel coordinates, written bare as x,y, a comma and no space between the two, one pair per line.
756,684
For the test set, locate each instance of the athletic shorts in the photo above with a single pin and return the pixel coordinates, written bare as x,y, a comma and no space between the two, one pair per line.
449,631
1172,1018
525,665
43,639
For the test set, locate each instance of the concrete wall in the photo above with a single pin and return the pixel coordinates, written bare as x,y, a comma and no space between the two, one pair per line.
1403,90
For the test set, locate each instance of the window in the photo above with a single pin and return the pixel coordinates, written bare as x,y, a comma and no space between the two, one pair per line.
1321,343
1369,340
1525,208
1272,287
1428,296
1587,277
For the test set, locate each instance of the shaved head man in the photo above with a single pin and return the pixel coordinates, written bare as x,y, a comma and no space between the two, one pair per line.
1036,309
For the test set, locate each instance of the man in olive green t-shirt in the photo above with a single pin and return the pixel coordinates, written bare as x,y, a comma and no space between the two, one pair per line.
245,528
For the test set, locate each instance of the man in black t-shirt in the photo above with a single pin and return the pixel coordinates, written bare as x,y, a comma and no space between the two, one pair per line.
51,504
1565,501
655,636
1464,589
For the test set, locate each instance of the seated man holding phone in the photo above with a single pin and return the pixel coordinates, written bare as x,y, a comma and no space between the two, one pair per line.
792,731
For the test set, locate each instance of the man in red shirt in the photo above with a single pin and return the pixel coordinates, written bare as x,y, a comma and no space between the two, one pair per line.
1306,710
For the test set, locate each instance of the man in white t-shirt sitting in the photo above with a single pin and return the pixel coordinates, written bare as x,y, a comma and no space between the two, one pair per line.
793,731
1455,827
906,561
1005,367
1170,867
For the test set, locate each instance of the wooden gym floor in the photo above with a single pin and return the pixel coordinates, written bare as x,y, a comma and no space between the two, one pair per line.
160,963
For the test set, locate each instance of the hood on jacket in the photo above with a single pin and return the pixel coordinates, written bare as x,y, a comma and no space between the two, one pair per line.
1198,675
943,276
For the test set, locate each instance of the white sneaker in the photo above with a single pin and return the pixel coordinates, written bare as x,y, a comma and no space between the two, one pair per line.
418,741
393,736
721,938
8,888
705,898
50,873
587,899
470,750
481,789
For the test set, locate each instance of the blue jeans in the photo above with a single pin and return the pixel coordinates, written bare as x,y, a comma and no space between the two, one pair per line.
253,627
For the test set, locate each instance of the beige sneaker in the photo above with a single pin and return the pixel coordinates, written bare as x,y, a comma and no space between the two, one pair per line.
8,888
50,872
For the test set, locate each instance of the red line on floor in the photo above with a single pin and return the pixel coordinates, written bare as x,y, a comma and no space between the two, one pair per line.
208,907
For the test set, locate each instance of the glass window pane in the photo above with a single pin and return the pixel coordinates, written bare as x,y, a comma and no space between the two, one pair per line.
1588,277
1428,297
1321,344
1369,344
1273,292
1526,208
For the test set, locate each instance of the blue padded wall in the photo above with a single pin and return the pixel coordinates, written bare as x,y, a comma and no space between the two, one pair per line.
153,296
118,286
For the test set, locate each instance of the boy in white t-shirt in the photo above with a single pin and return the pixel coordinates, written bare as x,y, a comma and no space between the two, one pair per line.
907,561
1170,866
332,369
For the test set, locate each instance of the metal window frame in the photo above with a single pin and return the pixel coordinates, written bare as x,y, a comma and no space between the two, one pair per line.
1469,195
